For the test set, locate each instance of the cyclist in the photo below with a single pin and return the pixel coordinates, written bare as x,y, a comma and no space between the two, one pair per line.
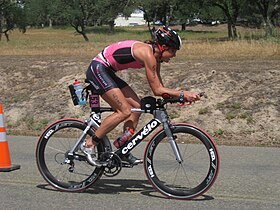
118,94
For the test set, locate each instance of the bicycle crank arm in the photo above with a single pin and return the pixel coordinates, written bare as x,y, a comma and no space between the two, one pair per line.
88,158
96,163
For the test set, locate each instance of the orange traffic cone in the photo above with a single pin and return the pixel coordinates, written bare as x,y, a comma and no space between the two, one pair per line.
5,161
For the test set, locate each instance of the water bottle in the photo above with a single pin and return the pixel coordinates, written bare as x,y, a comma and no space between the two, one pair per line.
125,137
78,90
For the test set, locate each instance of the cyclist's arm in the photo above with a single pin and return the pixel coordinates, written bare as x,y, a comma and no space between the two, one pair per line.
152,66
158,72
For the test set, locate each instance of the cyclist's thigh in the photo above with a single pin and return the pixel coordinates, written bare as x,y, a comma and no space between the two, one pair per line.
103,77
131,97
117,100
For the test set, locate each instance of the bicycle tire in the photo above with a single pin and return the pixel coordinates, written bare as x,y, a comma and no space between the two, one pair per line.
54,144
186,180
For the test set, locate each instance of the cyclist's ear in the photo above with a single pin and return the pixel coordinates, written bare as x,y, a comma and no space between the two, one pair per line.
164,47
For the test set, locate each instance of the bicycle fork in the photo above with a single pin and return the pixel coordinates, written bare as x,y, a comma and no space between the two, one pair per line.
171,138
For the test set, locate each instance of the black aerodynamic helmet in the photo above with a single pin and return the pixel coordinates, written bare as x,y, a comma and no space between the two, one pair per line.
167,36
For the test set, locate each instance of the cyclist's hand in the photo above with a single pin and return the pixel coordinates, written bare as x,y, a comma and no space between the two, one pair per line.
191,96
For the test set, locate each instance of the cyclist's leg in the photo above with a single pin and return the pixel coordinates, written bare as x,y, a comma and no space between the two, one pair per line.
118,102
132,121
109,86
134,101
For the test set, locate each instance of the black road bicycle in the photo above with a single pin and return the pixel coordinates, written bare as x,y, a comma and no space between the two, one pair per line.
181,161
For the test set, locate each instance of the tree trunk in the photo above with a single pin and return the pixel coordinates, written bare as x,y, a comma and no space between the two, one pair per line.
183,26
50,23
232,31
151,30
82,31
85,37
230,34
7,36
268,27
112,26
264,8
231,15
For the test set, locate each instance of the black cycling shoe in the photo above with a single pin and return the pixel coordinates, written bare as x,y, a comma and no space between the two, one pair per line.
131,159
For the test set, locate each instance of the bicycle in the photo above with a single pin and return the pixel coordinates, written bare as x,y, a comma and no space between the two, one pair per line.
181,161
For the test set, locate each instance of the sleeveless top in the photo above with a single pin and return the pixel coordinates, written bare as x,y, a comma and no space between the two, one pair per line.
119,56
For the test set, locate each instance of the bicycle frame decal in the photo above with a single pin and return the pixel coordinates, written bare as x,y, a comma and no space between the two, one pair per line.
212,154
213,166
139,136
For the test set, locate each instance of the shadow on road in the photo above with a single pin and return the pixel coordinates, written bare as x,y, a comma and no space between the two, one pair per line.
119,186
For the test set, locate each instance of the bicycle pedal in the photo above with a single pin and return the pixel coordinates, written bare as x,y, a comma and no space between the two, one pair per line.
127,165
101,163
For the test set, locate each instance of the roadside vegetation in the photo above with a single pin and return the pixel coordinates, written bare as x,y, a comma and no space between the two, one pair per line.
199,42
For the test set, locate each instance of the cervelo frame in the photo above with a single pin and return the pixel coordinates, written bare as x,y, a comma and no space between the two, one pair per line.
160,116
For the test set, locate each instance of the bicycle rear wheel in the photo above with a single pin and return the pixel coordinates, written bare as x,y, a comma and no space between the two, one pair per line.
190,178
52,149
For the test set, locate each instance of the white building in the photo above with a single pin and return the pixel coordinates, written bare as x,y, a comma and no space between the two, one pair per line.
135,19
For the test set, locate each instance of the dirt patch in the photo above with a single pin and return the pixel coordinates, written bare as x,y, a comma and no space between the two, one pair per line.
242,106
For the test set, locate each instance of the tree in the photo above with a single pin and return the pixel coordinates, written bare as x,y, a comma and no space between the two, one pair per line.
186,10
231,10
11,14
157,10
269,10
108,10
41,13
78,14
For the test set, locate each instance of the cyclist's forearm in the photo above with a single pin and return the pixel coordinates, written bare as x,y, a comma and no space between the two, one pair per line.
189,96
163,90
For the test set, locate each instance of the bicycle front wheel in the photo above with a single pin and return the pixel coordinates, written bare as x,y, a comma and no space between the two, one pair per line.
52,150
189,178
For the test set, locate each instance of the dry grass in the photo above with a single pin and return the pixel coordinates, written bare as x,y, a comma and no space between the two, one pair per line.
201,43
233,50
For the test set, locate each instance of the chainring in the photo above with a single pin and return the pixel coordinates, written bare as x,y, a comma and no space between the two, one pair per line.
114,165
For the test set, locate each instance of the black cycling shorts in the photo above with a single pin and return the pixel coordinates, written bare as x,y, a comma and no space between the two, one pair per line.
104,77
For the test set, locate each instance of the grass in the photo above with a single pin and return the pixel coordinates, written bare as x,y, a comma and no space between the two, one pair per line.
198,43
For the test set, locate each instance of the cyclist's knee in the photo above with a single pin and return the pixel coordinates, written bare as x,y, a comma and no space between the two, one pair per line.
124,113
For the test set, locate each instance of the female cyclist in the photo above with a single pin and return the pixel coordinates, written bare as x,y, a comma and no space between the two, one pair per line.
118,94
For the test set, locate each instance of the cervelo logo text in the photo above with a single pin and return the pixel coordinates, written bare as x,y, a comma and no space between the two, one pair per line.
142,134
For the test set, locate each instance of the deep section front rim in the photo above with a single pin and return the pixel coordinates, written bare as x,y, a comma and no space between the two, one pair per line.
189,179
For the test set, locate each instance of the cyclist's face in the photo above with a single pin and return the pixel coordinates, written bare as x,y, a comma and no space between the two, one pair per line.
172,51
168,54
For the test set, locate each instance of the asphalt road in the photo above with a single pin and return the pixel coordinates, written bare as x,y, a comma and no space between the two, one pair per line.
248,179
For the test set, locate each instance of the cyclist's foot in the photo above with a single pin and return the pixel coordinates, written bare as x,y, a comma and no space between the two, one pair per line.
131,159
89,151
